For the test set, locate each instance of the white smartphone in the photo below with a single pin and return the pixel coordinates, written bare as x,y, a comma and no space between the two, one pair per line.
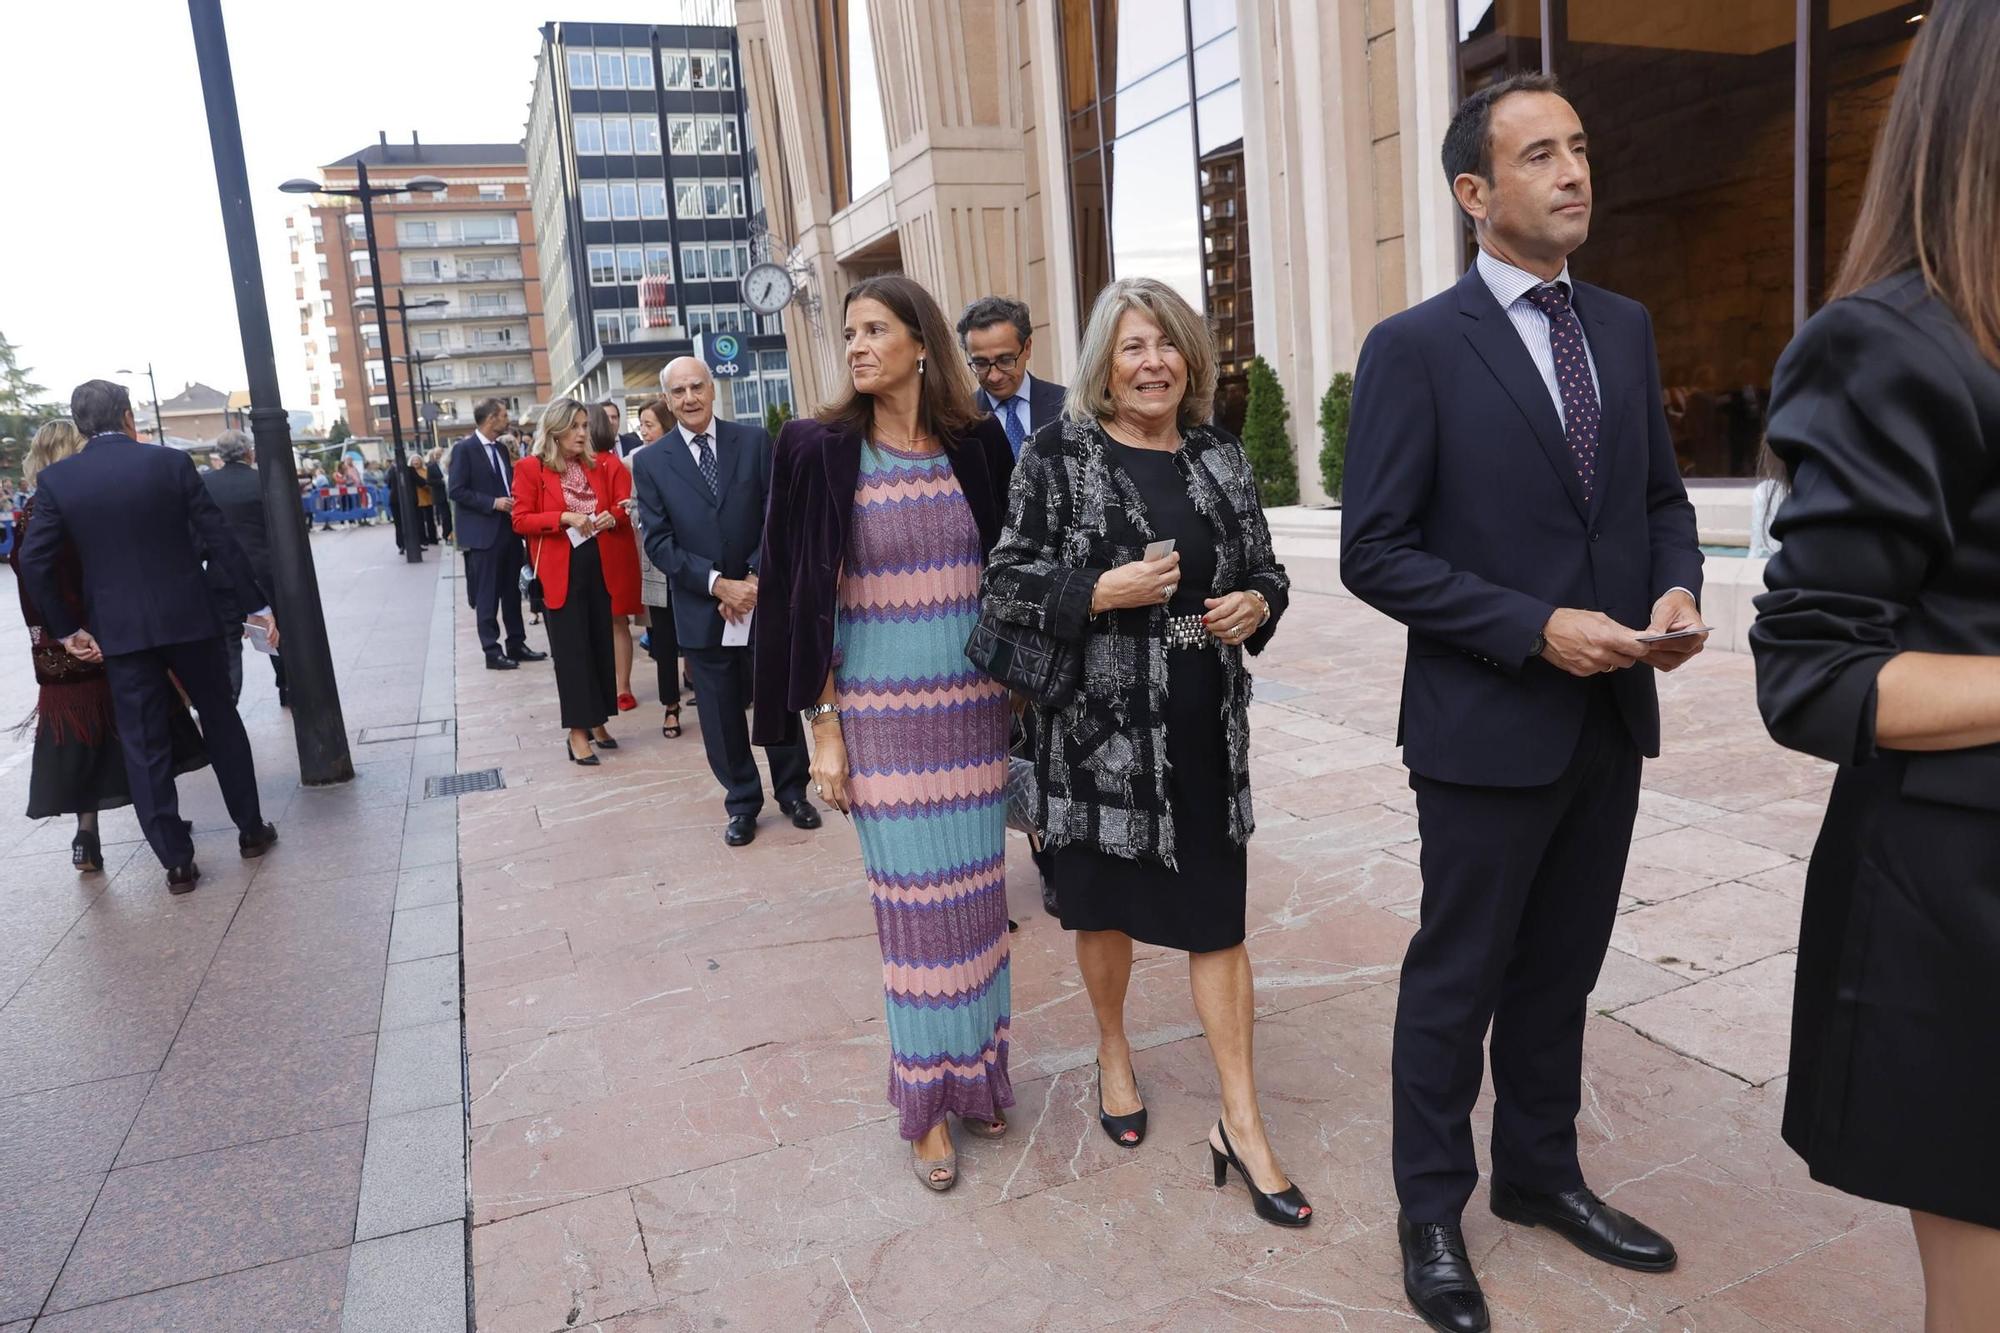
1159,550
1695,632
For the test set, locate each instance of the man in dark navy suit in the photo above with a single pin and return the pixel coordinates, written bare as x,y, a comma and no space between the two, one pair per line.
701,489
1513,498
234,486
998,336
480,482
140,521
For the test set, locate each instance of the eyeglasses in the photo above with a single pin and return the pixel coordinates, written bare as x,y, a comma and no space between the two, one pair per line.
980,365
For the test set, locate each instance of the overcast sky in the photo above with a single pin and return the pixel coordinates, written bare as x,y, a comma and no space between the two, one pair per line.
111,245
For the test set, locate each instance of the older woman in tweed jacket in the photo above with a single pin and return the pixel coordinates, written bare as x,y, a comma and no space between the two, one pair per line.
1145,777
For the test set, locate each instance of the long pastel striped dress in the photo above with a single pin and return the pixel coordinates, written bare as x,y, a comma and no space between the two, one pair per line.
927,758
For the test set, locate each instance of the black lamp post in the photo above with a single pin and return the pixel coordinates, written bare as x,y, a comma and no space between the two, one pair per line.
404,483
415,359
159,426
317,723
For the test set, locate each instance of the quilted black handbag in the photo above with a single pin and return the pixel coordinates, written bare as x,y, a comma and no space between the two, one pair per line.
1037,664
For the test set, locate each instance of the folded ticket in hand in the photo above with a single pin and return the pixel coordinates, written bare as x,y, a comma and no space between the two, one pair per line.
1696,632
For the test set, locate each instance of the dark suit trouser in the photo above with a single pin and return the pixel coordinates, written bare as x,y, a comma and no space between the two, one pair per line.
232,640
664,647
493,588
1520,890
722,687
142,700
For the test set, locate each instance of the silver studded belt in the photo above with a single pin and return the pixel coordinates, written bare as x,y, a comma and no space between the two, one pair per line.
1188,632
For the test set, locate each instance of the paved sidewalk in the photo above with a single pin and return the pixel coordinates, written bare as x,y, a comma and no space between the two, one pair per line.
677,1060
242,1109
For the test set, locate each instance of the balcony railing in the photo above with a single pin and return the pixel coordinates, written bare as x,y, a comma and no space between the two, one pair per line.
445,242
513,309
466,273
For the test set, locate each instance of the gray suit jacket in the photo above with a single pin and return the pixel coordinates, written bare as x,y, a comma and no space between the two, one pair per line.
690,532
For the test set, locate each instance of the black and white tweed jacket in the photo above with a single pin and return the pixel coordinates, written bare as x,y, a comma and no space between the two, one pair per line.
1073,514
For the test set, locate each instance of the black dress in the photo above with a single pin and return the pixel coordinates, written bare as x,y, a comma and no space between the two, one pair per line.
1889,418
1200,907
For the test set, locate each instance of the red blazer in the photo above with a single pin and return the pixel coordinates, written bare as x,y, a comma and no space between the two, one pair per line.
538,510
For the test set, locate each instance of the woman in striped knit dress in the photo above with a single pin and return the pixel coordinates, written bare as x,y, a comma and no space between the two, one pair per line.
882,512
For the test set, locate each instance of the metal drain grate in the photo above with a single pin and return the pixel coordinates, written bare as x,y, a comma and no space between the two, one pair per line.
457,784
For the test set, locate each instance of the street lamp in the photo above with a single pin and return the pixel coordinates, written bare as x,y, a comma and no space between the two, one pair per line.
403,307
416,361
402,481
159,426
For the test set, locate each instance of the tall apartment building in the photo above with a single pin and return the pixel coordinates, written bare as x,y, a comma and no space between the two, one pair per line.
310,299
647,205
471,246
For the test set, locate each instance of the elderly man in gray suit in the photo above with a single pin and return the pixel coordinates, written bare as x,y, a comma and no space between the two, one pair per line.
701,489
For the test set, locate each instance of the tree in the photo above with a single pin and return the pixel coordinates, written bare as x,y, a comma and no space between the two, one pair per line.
338,433
1334,410
1264,437
22,406
776,415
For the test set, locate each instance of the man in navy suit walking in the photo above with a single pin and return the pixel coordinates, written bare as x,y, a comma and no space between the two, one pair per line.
140,519
480,482
702,489
997,334
1513,498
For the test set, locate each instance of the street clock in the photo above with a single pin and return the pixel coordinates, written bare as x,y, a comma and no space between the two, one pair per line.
767,288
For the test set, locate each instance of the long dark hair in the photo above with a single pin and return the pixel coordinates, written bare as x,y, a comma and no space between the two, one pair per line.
603,435
1933,196
945,405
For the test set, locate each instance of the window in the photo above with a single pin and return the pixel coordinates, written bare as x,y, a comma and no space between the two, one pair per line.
652,199
326,307
624,200
610,69
680,135
660,261
374,374
708,134
479,230
639,69
427,270
332,343
687,198
728,69
729,144
722,261
645,134
742,260
701,70
701,319
416,231
319,232
492,194
430,340
715,199
610,328
603,266
749,404
617,134
694,262
589,135
675,65
736,199
596,202
325,274
728,319
631,264
582,70
634,321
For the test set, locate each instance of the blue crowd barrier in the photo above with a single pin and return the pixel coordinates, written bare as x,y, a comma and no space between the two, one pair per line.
6,535
323,506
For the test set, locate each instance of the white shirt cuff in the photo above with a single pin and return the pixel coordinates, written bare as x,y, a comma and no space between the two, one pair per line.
1689,591
712,577
254,614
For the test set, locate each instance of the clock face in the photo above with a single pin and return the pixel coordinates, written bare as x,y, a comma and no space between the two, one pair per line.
767,288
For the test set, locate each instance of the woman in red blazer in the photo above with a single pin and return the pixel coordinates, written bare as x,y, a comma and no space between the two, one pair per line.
566,503
621,554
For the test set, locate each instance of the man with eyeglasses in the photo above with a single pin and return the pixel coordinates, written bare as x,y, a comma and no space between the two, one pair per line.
998,335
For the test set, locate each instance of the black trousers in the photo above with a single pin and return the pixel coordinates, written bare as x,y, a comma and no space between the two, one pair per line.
722,684
663,645
493,588
427,523
443,518
580,643
143,701
1520,889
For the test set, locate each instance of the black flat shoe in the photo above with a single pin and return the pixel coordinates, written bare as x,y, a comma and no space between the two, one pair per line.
1590,1224
1119,1126
742,830
499,663
253,845
802,814
85,852
181,879
589,760
1286,1208
1437,1277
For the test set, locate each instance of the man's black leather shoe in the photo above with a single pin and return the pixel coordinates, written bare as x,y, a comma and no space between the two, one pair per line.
526,654
742,830
1438,1278
181,879
495,662
801,813
1590,1224
256,844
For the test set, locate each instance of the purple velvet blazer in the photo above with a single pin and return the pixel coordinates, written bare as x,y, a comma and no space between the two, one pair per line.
814,473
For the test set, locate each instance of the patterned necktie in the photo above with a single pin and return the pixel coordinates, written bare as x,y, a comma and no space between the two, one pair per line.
1011,418
1582,414
705,460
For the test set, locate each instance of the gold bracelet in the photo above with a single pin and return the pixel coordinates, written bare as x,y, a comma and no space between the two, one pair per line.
1264,602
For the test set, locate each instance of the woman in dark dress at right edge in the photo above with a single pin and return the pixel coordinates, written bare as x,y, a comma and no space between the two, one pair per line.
1878,647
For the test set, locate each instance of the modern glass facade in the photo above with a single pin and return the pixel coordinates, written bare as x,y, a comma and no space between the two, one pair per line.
1152,95
1728,153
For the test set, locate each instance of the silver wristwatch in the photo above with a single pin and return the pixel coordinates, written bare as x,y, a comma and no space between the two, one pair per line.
816,712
